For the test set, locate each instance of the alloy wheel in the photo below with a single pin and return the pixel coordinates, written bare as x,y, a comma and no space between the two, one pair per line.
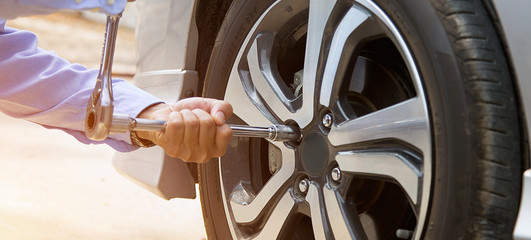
341,72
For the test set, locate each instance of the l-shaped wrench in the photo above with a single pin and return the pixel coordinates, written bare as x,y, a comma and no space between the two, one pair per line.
100,119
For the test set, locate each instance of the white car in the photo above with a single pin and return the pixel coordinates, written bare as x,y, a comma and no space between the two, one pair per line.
415,115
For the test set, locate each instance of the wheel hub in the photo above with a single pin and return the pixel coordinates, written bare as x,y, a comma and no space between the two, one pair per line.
314,153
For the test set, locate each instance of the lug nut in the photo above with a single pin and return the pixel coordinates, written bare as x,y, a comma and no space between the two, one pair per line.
404,234
304,184
327,120
336,174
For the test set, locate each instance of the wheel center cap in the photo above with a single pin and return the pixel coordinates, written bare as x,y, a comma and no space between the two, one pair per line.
314,153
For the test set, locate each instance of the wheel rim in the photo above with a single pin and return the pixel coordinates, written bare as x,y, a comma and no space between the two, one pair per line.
368,174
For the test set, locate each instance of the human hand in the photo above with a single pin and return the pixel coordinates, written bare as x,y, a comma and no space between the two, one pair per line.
195,128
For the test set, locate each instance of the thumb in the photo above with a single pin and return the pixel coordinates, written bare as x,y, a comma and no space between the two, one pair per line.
221,111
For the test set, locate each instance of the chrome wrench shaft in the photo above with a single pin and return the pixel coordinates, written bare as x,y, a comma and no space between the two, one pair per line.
274,132
99,116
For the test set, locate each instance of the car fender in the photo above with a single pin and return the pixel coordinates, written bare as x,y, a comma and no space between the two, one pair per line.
514,21
166,36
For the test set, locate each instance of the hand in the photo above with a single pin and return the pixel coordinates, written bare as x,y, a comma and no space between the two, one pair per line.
195,128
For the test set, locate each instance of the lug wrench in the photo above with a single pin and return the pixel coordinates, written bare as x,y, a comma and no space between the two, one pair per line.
101,120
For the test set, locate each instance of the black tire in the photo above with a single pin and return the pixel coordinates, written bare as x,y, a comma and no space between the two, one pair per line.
473,117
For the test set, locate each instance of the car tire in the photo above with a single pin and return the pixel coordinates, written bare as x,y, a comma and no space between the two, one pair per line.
445,54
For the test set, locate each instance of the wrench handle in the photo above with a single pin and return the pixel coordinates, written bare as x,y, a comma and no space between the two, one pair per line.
99,115
124,123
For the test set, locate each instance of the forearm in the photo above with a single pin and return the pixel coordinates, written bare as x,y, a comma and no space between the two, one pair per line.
17,8
41,87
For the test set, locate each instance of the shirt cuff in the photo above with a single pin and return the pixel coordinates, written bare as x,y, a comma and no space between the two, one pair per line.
112,7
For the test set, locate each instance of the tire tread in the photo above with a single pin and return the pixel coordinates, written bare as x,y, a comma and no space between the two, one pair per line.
494,116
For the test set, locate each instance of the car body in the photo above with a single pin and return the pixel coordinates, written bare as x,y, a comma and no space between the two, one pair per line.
172,52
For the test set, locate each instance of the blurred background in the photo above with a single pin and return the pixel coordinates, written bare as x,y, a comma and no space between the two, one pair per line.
52,187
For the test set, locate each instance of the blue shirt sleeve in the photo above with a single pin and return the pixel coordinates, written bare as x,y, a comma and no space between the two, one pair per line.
41,87
17,8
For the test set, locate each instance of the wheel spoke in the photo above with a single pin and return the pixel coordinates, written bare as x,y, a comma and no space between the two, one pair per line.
342,226
316,209
320,11
357,25
392,165
244,102
248,213
264,77
405,121
278,218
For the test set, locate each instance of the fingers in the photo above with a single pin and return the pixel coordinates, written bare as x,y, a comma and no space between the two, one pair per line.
196,129
172,139
220,110
191,136
223,136
207,132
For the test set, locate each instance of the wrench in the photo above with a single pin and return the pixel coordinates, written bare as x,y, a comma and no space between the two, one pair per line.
100,119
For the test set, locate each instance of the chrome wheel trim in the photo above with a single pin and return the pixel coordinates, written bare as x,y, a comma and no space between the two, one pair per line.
408,121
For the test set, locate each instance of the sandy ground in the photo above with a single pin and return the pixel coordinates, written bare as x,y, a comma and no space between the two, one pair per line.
52,187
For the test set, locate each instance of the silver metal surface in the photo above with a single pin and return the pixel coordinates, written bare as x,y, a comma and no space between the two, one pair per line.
241,195
100,118
281,213
304,184
263,78
336,174
383,164
338,220
248,131
522,231
99,114
404,234
282,133
315,209
352,20
422,111
246,214
262,105
327,120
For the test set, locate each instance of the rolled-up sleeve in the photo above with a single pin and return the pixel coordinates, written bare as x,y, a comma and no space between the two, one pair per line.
17,8
41,87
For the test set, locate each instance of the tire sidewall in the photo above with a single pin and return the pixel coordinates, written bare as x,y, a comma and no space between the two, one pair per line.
453,151
241,17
